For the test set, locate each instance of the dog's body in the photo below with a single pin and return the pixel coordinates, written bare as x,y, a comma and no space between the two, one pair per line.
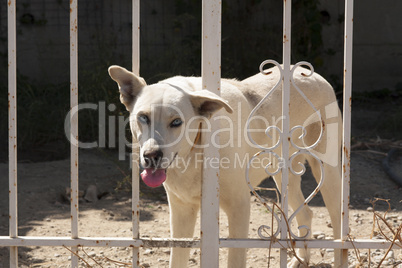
179,105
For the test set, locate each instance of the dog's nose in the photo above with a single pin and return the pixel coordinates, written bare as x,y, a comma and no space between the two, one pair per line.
152,158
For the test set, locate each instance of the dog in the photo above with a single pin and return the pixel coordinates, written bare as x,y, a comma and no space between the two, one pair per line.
168,119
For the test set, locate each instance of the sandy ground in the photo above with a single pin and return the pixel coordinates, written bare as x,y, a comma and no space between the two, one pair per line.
44,211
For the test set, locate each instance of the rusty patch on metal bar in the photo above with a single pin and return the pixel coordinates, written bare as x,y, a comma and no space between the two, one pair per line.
170,243
346,153
285,38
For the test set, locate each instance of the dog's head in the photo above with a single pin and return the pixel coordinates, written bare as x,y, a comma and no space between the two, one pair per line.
164,118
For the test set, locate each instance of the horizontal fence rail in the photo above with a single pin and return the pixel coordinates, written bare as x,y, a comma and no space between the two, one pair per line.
30,241
210,241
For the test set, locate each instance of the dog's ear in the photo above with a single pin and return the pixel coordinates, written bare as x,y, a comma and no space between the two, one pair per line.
207,103
129,84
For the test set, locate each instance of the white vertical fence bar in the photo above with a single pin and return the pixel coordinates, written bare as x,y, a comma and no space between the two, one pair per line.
211,80
12,129
135,203
287,8
347,109
136,37
74,123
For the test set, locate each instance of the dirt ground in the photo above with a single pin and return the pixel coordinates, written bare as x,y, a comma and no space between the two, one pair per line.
44,211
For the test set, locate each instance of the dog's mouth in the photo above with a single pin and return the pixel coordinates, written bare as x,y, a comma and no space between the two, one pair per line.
154,177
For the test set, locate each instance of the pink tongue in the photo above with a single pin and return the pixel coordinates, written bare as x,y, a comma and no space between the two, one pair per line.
153,179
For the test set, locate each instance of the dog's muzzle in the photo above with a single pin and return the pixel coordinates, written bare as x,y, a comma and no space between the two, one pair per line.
152,158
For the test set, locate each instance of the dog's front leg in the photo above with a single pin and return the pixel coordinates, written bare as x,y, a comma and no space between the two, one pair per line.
238,213
182,222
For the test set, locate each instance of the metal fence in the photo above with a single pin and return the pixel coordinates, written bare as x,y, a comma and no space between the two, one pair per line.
209,241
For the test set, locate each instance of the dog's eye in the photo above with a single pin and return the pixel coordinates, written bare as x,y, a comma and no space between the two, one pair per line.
143,119
176,123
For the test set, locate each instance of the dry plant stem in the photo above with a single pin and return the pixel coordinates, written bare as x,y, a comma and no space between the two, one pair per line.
90,266
381,143
40,264
118,262
383,219
371,151
357,252
82,248
272,234
372,232
86,263
396,234
390,247
273,239
291,246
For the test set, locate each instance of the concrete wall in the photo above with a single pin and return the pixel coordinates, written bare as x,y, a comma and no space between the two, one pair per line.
378,44
377,49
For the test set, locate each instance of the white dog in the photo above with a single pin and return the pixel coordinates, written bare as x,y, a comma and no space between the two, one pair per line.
168,118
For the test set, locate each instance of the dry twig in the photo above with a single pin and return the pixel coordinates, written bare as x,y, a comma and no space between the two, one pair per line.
79,257
378,220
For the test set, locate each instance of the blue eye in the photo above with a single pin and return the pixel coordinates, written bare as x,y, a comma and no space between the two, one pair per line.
143,119
176,123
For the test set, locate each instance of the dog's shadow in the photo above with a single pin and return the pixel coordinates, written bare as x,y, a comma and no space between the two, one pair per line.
308,186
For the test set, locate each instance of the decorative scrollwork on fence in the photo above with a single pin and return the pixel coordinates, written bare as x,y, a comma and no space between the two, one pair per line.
252,113
300,149
278,169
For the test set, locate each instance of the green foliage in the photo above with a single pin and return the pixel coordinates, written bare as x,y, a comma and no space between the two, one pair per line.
180,56
307,41
251,32
38,109
96,86
40,113
246,43
42,109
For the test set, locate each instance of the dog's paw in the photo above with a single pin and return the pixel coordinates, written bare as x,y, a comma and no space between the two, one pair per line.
295,263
